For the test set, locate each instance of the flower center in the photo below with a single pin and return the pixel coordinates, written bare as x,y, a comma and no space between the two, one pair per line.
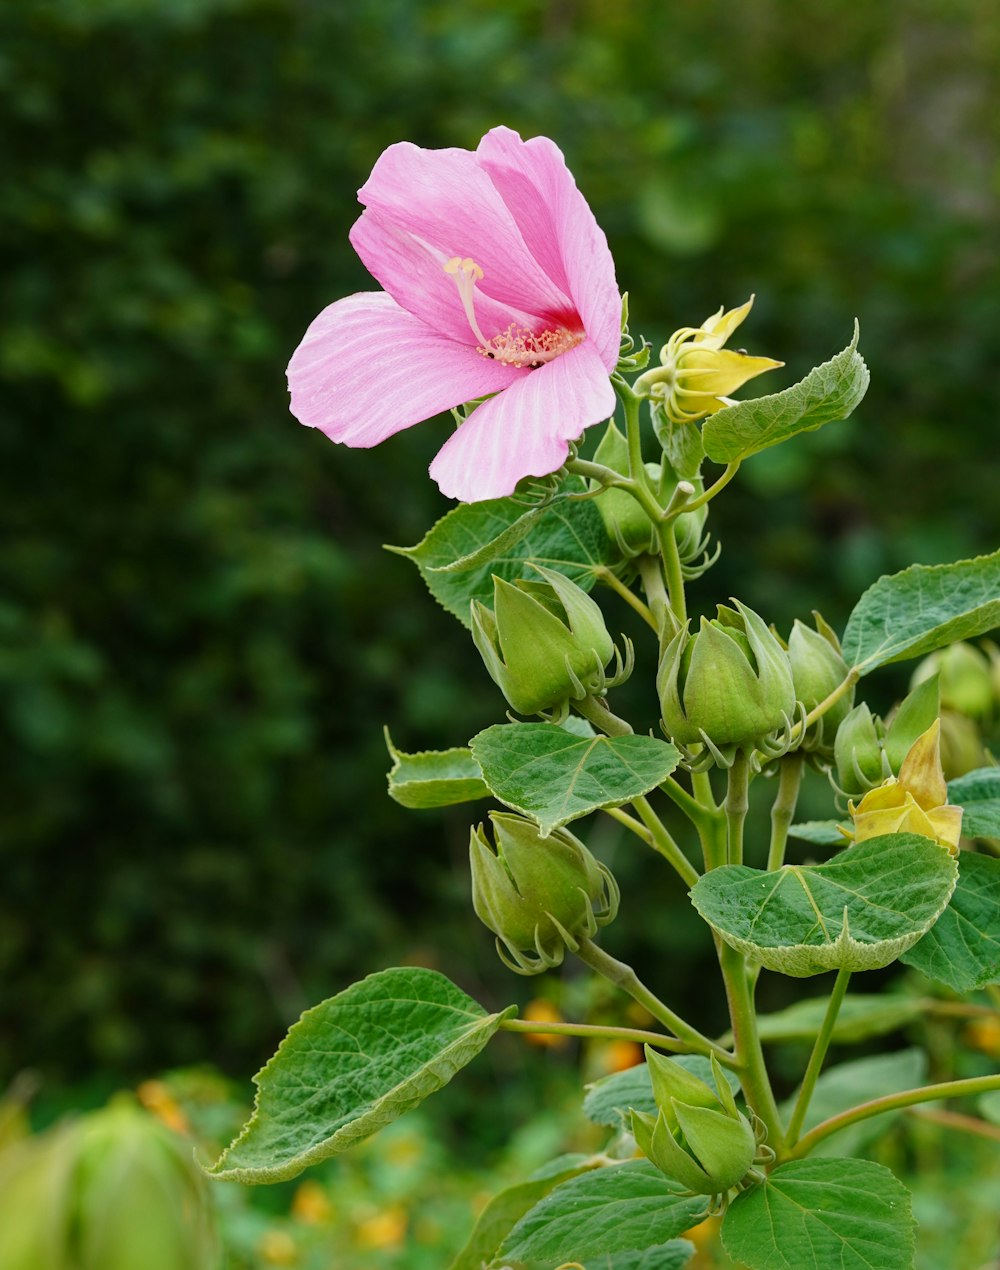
517,345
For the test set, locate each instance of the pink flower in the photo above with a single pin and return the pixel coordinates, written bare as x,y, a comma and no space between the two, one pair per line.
497,280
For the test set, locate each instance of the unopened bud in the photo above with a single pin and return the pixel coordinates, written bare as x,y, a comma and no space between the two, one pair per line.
965,678
539,896
817,669
543,643
698,1137
730,684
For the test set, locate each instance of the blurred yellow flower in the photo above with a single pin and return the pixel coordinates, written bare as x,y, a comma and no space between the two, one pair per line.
155,1097
542,1011
384,1230
915,802
984,1035
620,1055
697,373
311,1204
277,1248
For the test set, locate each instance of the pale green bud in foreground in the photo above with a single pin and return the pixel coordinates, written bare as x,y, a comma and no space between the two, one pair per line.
543,643
115,1190
731,683
539,896
699,1138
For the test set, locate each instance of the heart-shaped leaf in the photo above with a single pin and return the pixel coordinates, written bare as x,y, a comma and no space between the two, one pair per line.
858,911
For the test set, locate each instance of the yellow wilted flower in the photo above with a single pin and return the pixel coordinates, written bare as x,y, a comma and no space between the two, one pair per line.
915,802
698,373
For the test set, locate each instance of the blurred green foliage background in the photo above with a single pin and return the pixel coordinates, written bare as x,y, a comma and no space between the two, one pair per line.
200,636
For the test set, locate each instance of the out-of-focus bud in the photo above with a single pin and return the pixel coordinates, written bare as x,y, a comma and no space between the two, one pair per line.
965,677
544,643
730,685
910,719
962,748
114,1191
915,802
539,896
858,752
817,669
697,374
699,1138
993,653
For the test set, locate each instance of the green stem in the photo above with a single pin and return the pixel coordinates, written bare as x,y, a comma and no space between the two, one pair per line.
663,841
624,977
817,1056
630,823
656,592
701,784
737,804
783,809
641,1037
672,570
891,1102
605,575
595,710
749,1055
716,488
664,528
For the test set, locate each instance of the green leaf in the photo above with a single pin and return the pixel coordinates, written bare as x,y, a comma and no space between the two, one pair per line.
503,1211
846,1085
819,1214
858,911
434,778
829,392
627,1207
555,777
352,1065
459,555
669,1256
978,793
861,1017
821,833
925,607
962,948
608,1100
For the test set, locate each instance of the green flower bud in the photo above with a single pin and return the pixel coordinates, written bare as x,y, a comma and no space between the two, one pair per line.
910,719
627,524
965,677
858,753
993,653
113,1191
817,669
729,685
539,896
699,1138
544,644
962,747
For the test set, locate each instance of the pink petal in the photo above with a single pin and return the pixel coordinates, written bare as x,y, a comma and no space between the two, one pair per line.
367,369
413,273
525,431
559,229
446,198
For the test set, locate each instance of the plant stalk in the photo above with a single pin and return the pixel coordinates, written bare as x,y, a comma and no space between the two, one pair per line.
891,1102
817,1056
624,977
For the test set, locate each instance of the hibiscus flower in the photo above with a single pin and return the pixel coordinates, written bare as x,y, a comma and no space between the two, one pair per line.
498,283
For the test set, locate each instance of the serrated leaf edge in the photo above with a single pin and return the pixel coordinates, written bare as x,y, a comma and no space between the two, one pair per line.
378,1114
